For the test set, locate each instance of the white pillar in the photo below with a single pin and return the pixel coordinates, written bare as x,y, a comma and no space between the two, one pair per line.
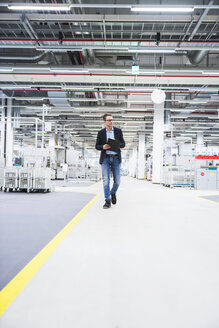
52,141
158,143
2,126
132,163
9,134
200,138
141,156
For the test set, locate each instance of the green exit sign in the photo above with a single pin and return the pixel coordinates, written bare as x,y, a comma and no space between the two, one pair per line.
135,69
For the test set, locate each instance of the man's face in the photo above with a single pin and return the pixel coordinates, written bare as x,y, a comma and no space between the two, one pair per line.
108,121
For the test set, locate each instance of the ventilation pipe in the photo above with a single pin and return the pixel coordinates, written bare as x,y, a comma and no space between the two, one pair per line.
91,56
85,56
21,59
196,56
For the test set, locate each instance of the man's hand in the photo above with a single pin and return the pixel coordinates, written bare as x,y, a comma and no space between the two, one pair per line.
106,146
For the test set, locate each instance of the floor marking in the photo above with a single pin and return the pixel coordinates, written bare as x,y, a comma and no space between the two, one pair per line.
15,286
210,200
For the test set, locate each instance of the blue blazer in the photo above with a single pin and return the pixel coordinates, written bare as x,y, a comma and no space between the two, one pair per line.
102,140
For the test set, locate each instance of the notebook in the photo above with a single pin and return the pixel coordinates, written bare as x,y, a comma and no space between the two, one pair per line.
115,144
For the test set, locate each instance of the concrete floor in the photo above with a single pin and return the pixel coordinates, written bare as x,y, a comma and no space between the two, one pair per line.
28,222
151,261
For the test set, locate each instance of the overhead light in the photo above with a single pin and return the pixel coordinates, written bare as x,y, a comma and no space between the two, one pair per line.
38,68
15,87
210,73
200,127
192,101
151,50
76,88
27,98
184,71
146,72
91,115
69,70
162,9
153,72
132,116
179,116
184,110
49,7
6,69
56,48
108,70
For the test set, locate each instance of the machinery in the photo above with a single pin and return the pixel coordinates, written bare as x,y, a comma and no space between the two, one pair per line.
27,179
207,177
178,176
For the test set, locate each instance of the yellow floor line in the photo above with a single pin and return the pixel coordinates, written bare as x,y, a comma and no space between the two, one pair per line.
208,199
14,287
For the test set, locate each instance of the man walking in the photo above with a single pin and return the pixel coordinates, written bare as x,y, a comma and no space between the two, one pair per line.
110,159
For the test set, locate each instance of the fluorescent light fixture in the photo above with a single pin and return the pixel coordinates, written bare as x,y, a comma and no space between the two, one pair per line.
136,101
146,72
133,116
15,87
188,133
39,68
162,9
76,88
182,110
108,70
6,69
23,98
179,116
183,71
153,72
192,101
210,73
55,48
69,70
50,7
91,115
200,127
155,50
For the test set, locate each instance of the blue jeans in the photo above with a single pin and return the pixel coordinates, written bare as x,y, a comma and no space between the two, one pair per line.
114,164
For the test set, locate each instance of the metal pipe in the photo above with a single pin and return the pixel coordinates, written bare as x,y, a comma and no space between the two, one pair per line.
201,19
15,59
109,40
90,56
195,57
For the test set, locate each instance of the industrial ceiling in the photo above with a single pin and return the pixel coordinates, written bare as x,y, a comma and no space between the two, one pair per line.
71,61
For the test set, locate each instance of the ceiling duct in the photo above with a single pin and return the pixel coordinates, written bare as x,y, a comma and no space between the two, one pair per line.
91,56
57,101
196,56
85,57
22,59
